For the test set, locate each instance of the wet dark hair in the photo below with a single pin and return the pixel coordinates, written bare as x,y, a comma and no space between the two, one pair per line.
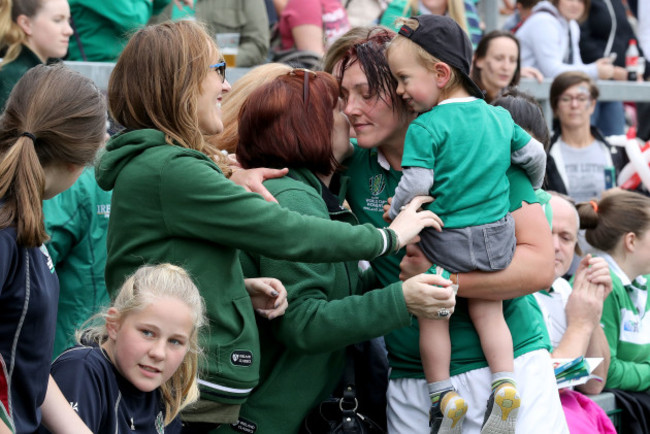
367,46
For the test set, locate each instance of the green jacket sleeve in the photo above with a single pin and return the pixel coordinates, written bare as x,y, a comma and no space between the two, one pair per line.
314,324
199,203
625,375
325,312
368,280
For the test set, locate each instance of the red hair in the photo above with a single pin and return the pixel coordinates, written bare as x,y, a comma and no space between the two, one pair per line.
277,129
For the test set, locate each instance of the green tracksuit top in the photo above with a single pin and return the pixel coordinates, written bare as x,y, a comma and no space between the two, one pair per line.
303,352
172,204
76,221
103,26
627,328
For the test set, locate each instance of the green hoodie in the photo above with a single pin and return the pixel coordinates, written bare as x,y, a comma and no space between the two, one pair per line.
13,71
303,352
172,204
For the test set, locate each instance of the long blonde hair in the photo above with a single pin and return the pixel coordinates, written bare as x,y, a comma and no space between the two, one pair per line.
12,37
455,9
232,102
148,283
157,80
65,115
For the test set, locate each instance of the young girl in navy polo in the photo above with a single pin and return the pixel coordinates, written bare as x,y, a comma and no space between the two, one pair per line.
138,369
52,126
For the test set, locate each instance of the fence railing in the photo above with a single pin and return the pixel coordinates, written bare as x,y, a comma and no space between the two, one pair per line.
609,90
100,72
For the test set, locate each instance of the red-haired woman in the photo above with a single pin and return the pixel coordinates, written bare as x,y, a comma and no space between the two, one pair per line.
296,121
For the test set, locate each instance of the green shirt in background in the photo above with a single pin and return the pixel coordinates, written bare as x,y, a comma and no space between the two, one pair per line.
627,328
104,26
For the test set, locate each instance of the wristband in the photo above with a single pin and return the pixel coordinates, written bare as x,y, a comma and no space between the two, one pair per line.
391,241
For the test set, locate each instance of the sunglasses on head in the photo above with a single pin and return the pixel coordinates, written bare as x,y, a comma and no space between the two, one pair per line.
305,88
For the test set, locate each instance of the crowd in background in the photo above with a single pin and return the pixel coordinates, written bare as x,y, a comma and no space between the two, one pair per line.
185,254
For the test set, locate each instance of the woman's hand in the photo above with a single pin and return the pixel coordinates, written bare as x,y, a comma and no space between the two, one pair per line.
414,261
620,74
531,72
605,68
598,273
585,304
268,295
427,294
410,222
252,179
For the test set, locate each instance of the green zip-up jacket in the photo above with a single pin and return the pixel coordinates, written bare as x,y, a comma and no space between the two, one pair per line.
303,352
172,204
103,26
76,221
13,71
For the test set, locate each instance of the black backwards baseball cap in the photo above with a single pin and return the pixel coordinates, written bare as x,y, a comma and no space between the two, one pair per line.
445,40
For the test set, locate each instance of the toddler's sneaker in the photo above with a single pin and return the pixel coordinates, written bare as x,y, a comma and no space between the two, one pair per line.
447,416
502,408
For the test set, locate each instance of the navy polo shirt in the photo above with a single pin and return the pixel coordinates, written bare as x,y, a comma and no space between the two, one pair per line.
105,400
29,294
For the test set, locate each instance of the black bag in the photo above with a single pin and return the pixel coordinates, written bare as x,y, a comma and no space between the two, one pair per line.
340,415
299,59
293,57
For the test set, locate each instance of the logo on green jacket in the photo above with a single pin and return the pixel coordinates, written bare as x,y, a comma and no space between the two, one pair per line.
377,184
244,426
241,358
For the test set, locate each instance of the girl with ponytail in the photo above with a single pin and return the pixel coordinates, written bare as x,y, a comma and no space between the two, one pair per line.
54,122
619,225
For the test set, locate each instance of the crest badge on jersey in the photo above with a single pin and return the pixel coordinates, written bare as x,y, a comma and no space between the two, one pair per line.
377,184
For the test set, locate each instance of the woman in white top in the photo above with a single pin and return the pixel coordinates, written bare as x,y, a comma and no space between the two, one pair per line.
581,163
549,41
